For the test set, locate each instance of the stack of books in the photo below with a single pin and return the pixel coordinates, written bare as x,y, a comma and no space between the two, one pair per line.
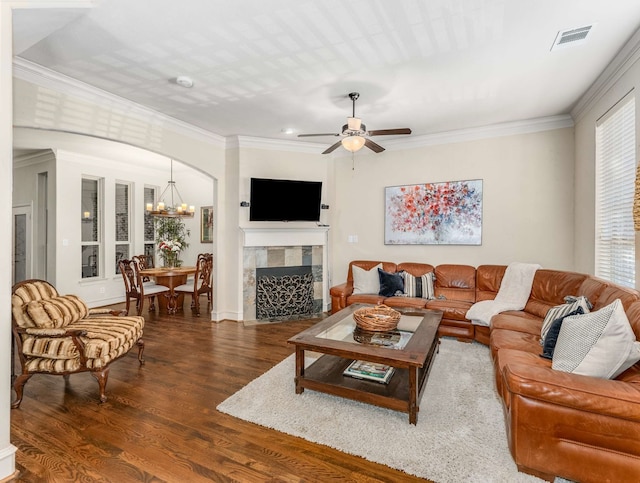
370,371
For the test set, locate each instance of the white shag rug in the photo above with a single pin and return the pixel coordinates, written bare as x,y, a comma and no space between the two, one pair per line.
460,435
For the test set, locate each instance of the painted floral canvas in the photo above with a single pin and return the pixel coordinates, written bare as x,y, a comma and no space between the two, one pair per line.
448,213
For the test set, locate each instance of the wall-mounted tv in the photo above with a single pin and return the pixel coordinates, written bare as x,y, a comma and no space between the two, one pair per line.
284,200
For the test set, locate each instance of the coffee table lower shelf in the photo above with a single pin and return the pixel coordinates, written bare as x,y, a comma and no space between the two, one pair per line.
326,375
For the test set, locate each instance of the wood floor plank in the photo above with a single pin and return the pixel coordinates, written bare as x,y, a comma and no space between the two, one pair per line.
160,423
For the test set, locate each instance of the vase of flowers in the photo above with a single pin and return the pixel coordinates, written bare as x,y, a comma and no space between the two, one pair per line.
171,239
169,251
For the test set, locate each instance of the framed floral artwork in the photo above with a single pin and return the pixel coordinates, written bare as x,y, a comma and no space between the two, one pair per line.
448,213
206,224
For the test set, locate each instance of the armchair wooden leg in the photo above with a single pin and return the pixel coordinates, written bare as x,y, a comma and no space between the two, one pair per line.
127,307
18,386
140,305
140,345
102,376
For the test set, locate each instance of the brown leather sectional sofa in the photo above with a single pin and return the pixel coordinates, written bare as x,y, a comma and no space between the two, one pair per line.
578,427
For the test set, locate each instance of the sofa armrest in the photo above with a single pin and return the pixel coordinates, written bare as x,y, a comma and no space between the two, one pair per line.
613,398
339,294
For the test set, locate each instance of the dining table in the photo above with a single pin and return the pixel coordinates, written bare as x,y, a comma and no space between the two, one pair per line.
170,277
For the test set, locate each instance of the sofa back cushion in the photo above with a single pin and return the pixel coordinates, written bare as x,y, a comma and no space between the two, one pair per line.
612,292
592,288
415,269
368,265
456,282
633,314
488,280
56,312
549,289
28,292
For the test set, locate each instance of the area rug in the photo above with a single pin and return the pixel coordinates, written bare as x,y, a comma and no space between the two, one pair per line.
460,435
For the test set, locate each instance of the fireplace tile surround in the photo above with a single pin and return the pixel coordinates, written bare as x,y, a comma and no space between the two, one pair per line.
265,247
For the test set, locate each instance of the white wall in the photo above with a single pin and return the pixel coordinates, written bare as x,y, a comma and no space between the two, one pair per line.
7,450
527,203
621,77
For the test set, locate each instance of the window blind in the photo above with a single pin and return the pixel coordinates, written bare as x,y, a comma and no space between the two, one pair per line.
615,176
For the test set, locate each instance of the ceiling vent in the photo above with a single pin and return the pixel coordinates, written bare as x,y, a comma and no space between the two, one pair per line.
571,37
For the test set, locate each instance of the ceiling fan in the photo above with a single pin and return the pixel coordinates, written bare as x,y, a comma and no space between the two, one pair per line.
355,135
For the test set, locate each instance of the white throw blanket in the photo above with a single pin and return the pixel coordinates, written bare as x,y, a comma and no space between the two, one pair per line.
513,294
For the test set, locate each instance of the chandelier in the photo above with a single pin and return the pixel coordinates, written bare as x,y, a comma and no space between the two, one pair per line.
170,204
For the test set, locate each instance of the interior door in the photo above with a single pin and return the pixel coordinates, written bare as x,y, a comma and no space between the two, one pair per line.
22,244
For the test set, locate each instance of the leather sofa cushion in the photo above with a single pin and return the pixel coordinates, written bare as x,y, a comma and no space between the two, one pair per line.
415,269
510,339
549,289
451,309
633,314
413,302
518,322
626,295
457,282
365,298
488,280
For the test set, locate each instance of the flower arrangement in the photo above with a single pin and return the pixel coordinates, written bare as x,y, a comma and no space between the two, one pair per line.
171,236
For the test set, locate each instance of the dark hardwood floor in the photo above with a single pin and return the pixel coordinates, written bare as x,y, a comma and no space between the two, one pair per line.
160,422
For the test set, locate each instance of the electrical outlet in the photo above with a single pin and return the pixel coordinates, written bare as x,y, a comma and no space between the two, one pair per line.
102,290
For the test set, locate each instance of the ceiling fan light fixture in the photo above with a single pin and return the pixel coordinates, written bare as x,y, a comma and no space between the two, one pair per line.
353,143
354,123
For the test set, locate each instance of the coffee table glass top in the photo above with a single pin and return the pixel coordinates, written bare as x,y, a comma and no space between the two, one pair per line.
345,330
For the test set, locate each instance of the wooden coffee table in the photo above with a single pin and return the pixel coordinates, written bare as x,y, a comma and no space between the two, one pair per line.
333,337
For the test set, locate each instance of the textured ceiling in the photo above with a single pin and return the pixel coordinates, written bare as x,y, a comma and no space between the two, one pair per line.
260,66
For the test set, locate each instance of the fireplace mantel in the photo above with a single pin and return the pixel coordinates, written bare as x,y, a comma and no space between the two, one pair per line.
284,237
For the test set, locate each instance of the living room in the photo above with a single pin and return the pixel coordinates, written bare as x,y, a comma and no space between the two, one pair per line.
538,173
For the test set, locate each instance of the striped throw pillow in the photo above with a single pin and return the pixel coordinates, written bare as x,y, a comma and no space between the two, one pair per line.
560,311
420,287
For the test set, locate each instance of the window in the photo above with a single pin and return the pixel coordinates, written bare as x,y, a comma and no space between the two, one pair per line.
615,175
123,224
149,227
91,233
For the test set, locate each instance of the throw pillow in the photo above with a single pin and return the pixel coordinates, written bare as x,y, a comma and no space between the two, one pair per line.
559,311
421,287
599,344
390,283
56,312
366,281
551,338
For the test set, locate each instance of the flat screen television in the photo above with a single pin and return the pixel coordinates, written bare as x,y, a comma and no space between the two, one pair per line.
284,200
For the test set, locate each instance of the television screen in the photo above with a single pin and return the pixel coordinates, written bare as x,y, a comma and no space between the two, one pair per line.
285,200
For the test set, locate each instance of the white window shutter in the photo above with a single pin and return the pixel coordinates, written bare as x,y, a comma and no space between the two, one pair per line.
615,187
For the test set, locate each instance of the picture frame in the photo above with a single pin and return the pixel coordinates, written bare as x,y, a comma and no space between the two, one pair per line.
442,213
206,224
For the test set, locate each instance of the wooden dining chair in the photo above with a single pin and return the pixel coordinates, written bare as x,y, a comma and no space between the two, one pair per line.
136,289
201,283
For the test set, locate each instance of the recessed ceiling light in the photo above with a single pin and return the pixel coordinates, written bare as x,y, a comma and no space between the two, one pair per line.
184,81
287,130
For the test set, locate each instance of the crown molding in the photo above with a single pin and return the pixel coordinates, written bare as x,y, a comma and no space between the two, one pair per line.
621,63
49,79
476,133
274,144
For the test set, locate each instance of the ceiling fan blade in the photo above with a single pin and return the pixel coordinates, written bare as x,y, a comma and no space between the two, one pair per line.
373,146
321,134
386,132
332,148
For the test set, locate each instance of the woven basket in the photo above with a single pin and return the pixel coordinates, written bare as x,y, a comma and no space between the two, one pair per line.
377,319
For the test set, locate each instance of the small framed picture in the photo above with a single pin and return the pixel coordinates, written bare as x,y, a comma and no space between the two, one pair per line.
206,224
